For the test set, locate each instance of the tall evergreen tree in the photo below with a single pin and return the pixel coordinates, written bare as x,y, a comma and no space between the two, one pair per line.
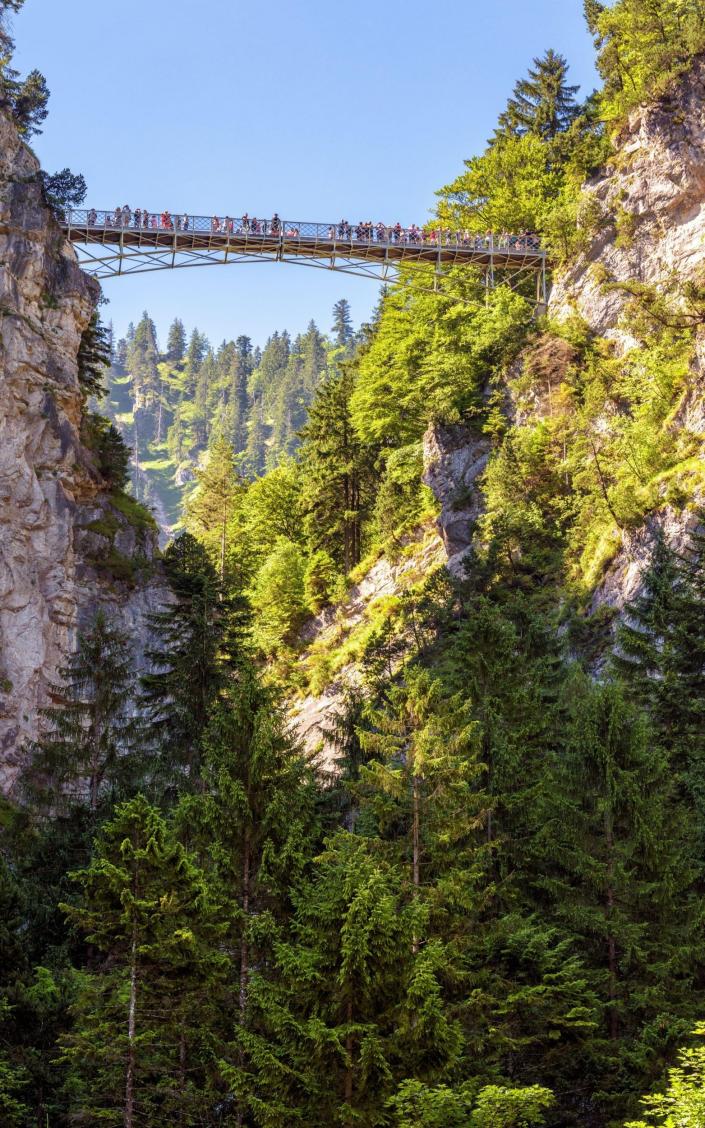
211,508
176,340
94,358
186,662
337,472
91,743
543,104
372,1012
342,324
617,868
138,1052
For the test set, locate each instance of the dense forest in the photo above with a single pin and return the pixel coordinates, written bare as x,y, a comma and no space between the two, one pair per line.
490,912
171,406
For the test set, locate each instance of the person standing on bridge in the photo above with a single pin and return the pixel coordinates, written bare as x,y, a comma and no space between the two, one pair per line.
184,222
118,217
126,216
137,218
92,217
276,224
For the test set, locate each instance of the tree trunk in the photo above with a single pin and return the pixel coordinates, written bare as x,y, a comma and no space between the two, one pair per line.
349,1046
131,1030
415,848
611,942
182,1079
244,952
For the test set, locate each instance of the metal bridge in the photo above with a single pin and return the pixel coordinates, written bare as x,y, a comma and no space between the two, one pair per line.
110,243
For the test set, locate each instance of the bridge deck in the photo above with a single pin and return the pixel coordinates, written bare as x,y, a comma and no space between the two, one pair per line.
318,240
277,245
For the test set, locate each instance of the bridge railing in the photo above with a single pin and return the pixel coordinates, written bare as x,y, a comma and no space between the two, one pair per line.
305,233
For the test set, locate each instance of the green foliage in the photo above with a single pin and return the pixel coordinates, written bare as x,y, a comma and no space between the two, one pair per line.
336,471
25,98
187,661
401,496
91,743
279,598
432,358
322,580
112,453
642,45
682,1105
543,104
501,1107
93,358
210,509
63,190
146,908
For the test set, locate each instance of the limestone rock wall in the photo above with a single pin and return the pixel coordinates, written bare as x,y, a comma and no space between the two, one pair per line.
649,208
649,204
54,571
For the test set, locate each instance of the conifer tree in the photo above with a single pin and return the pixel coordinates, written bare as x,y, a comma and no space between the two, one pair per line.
619,875
279,598
423,783
255,453
176,341
92,740
212,507
235,415
342,324
644,641
186,659
372,1011
254,826
93,358
543,103
660,658
138,1050
337,472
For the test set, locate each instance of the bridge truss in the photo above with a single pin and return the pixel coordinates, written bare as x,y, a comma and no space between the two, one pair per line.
108,246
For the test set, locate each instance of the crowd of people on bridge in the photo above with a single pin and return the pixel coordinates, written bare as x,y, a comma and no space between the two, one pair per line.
363,232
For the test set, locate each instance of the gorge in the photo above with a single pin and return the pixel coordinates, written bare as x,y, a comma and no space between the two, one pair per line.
352,683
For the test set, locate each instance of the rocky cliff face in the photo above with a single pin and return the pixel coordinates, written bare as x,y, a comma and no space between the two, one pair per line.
648,208
65,548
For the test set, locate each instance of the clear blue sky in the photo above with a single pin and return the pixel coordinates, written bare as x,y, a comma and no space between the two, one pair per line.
313,108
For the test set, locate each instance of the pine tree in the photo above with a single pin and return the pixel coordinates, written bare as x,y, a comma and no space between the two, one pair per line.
254,826
543,103
235,417
187,662
139,1047
278,598
211,508
342,324
93,358
423,783
371,1013
660,658
618,873
176,341
13,969
644,639
91,746
27,99
337,472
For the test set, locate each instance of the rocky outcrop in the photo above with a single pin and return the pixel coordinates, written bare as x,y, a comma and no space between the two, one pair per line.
454,461
648,213
65,549
647,208
311,716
